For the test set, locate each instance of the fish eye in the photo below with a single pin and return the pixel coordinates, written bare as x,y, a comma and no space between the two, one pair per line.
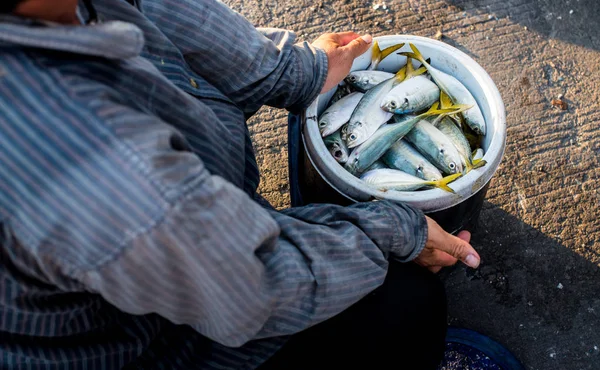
393,104
353,137
345,128
337,154
442,151
406,101
452,165
322,124
352,78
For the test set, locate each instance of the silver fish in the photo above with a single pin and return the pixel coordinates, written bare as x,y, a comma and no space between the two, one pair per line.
390,179
337,147
436,147
404,157
449,128
375,146
457,92
411,95
368,116
376,166
366,80
339,113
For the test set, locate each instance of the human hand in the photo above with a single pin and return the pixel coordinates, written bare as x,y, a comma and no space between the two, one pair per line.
444,249
341,49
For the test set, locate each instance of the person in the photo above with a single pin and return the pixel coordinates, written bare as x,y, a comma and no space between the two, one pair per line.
131,232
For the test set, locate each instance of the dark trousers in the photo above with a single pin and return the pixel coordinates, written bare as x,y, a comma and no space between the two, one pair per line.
401,325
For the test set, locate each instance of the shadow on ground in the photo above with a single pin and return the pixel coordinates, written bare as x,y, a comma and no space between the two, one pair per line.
573,21
524,301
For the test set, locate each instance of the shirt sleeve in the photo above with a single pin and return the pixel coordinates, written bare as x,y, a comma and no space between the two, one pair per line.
235,271
253,67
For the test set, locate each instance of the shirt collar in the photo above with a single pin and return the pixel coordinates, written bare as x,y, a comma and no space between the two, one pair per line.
112,40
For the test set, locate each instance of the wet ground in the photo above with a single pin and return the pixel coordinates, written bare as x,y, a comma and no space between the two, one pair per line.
538,289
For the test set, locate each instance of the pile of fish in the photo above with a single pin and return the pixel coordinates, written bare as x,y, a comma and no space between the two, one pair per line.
415,129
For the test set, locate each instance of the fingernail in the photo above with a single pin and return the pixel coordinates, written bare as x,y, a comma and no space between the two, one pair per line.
472,261
367,38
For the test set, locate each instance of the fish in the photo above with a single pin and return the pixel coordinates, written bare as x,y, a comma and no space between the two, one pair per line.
376,166
471,138
377,55
402,156
338,114
391,179
377,144
337,147
368,115
455,90
366,80
452,132
413,95
436,147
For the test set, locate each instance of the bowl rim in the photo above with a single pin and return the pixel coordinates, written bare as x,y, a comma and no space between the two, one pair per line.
434,199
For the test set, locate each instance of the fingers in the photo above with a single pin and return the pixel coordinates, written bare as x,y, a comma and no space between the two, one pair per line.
457,247
464,235
358,46
343,38
444,259
462,250
434,269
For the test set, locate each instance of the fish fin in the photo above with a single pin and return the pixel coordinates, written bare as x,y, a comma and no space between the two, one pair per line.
443,183
389,50
478,163
411,71
419,71
434,110
375,52
445,100
410,68
378,55
401,74
433,107
417,55
408,54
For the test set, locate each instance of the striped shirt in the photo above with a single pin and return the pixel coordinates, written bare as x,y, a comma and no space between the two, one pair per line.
131,234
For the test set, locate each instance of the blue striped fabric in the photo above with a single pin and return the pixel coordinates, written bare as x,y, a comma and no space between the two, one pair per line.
130,231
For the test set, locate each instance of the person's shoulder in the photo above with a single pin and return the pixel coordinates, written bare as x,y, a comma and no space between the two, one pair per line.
34,87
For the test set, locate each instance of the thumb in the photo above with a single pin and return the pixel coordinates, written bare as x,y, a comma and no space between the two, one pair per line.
358,46
462,250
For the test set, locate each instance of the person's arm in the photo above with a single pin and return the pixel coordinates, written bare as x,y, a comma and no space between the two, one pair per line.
234,271
163,235
253,67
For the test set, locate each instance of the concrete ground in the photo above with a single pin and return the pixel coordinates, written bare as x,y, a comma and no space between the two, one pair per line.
538,289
